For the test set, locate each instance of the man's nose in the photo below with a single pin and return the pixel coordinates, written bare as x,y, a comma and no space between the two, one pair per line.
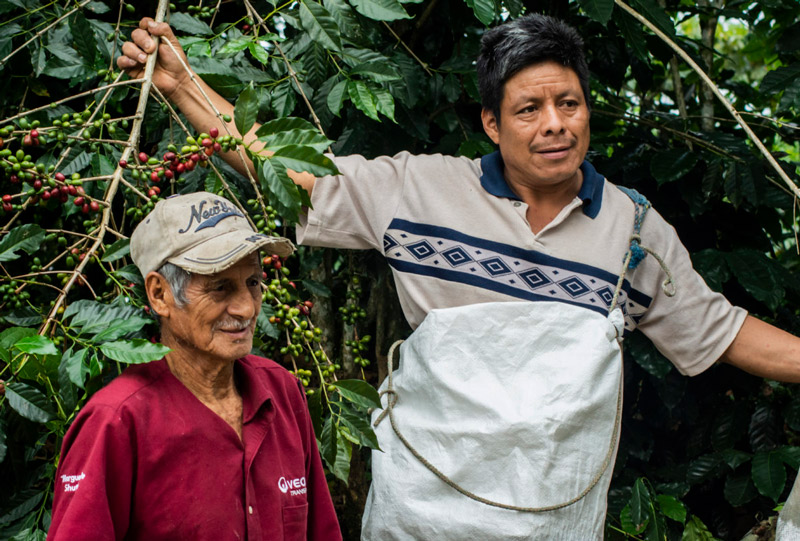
552,121
242,304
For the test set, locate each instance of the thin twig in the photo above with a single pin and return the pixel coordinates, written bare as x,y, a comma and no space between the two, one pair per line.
794,222
116,36
408,49
214,17
780,123
27,13
133,188
293,75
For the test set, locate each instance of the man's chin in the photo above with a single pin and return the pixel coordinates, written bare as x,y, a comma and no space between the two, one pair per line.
231,350
240,348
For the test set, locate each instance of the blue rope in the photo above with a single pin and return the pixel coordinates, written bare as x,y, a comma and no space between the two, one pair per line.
642,206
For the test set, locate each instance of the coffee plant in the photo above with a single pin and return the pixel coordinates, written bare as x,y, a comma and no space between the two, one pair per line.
86,152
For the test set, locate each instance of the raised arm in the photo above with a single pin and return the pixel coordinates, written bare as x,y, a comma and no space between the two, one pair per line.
766,351
174,79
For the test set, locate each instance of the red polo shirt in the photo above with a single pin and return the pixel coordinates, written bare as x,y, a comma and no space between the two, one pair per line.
145,459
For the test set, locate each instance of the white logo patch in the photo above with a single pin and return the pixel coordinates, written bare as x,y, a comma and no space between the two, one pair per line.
72,482
295,487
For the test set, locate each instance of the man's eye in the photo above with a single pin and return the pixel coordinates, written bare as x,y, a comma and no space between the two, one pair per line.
528,109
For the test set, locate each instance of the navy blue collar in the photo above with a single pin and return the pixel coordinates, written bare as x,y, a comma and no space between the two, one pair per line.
494,182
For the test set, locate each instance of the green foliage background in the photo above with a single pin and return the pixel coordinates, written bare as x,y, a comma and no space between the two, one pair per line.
700,457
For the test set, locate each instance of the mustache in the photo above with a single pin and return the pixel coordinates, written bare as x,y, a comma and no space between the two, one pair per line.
232,324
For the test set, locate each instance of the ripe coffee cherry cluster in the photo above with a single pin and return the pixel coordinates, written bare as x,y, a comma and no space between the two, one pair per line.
46,184
176,161
28,130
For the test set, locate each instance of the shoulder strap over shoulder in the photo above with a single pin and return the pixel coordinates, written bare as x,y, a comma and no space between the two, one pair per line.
642,206
636,252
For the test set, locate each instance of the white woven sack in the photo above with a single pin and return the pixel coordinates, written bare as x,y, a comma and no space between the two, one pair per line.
788,528
515,402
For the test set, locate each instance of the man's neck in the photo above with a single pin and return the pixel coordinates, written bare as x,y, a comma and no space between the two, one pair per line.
210,380
546,202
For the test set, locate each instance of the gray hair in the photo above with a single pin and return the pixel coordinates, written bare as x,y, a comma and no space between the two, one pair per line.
178,279
517,44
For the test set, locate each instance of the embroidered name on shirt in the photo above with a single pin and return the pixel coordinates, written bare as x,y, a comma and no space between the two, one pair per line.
295,487
210,216
71,482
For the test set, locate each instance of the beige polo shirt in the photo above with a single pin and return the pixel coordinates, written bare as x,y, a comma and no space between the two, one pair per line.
455,234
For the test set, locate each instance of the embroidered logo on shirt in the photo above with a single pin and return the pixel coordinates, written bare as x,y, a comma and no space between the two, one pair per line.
295,487
72,482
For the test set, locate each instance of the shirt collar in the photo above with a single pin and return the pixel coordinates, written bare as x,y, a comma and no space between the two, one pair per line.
494,182
254,393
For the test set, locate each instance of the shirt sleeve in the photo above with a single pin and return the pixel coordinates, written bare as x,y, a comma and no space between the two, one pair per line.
94,478
694,327
354,209
322,522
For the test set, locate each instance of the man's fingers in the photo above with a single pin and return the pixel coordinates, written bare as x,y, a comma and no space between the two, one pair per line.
131,67
143,39
132,55
145,22
160,29
125,63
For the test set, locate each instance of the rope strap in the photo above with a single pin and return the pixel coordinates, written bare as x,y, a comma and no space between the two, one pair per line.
636,252
389,410
641,205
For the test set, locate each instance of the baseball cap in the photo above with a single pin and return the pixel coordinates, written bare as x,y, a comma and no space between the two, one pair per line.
200,232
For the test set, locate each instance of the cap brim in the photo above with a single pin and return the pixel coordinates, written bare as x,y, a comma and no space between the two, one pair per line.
219,253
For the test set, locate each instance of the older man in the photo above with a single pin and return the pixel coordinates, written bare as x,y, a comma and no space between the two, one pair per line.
209,442
471,243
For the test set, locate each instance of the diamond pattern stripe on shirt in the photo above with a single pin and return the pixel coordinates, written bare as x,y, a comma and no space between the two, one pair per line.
449,255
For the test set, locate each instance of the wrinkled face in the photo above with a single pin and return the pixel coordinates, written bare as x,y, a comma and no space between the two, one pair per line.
219,317
543,130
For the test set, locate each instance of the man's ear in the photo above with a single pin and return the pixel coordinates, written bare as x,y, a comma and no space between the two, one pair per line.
490,125
159,294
